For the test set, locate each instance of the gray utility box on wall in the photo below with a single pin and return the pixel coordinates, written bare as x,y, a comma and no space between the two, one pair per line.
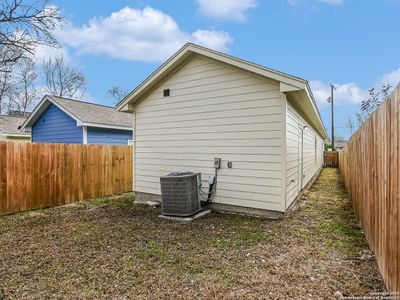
179,194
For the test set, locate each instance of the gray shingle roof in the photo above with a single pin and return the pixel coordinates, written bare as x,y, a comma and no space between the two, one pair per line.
9,125
94,113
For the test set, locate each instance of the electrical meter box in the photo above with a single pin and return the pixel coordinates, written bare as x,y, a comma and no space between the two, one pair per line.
217,163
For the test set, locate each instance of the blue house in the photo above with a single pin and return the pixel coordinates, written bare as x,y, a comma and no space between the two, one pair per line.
68,121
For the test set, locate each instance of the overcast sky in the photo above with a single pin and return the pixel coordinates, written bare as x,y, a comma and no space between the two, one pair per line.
354,44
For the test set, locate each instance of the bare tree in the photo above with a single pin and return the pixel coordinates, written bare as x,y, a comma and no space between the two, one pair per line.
117,93
6,83
61,80
372,103
24,94
24,25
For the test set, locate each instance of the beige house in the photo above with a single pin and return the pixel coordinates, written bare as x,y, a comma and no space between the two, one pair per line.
9,129
202,104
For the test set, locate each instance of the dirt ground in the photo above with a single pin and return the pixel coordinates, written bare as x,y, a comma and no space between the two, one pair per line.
111,249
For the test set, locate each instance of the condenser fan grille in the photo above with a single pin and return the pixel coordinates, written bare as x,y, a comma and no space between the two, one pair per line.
179,194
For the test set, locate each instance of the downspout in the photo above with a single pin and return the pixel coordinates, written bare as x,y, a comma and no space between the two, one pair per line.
302,128
302,158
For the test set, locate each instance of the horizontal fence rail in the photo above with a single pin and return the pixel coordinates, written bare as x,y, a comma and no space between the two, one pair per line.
370,167
38,175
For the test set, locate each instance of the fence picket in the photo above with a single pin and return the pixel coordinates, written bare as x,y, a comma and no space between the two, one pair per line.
331,159
37,175
370,169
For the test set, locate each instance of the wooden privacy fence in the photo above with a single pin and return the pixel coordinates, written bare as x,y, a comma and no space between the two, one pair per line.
331,159
38,175
370,166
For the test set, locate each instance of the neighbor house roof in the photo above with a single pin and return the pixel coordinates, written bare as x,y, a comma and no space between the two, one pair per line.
9,126
296,88
85,113
340,143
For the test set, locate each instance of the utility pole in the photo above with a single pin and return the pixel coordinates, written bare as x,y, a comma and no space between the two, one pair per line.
330,100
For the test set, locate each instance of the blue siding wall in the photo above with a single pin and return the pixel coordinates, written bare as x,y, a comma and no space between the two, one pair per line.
55,126
108,136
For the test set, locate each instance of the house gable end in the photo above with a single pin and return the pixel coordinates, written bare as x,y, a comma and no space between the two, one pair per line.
55,126
213,110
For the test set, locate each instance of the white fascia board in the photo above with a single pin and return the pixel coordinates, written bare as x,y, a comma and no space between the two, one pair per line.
103,126
66,111
284,87
316,111
249,66
127,108
33,114
148,81
189,49
17,135
40,108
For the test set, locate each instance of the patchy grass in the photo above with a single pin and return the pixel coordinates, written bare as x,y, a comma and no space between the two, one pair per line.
336,226
155,252
110,249
241,235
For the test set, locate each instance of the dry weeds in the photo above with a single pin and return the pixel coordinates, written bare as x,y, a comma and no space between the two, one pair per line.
110,249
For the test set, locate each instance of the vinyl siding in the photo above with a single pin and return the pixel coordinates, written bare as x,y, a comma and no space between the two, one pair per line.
55,126
312,155
106,136
214,110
